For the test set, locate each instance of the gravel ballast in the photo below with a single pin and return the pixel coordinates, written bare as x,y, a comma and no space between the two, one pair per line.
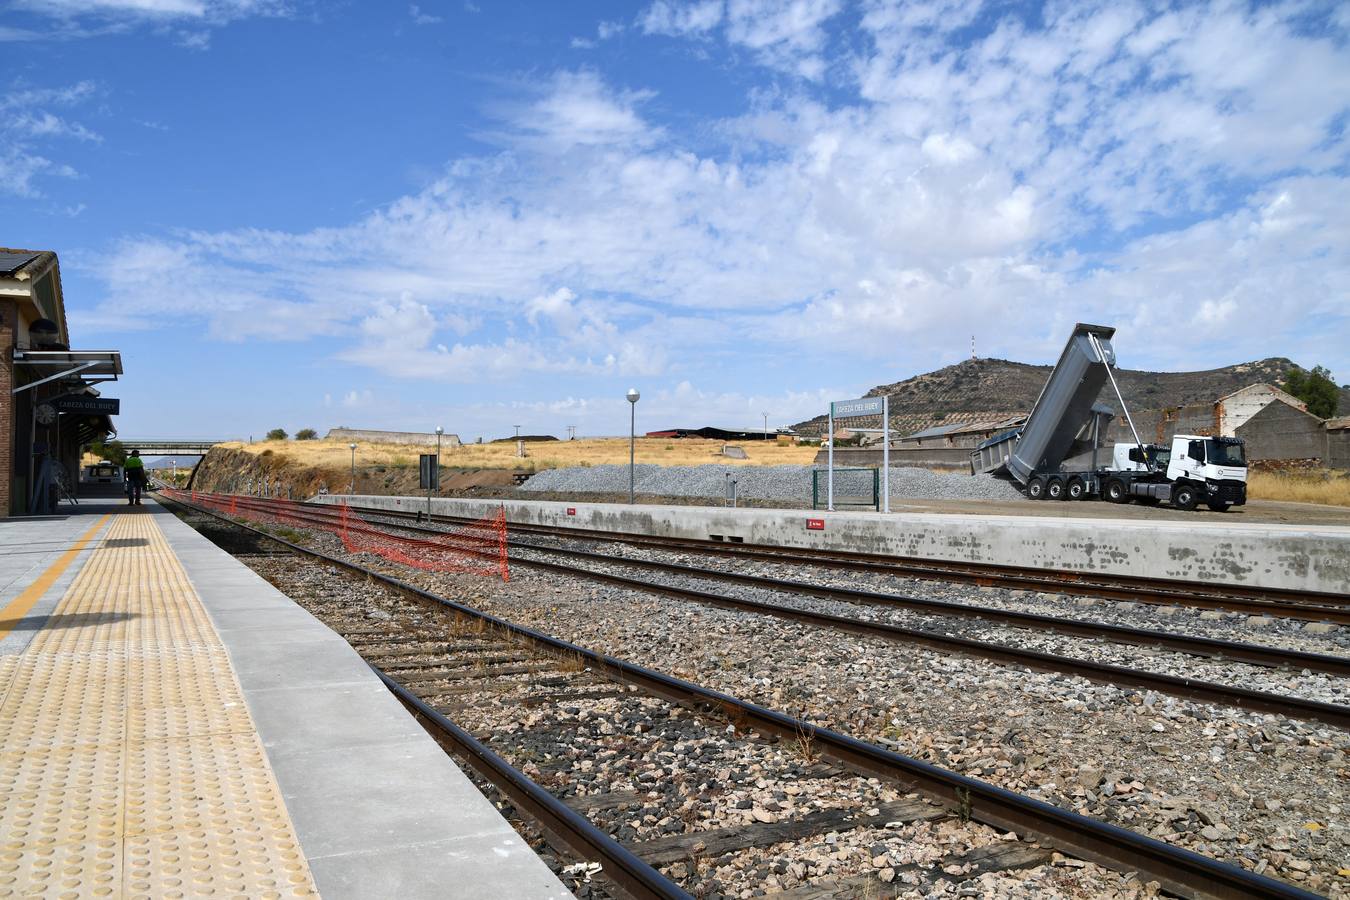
1263,791
765,482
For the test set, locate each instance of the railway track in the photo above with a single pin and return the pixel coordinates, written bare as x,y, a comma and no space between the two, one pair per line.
967,799
1106,673
1303,605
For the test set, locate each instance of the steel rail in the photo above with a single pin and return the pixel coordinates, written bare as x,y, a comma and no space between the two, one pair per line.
565,828
1104,673
1178,870
1307,605
1254,654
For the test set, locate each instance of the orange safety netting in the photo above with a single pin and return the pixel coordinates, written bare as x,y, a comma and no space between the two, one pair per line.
477,548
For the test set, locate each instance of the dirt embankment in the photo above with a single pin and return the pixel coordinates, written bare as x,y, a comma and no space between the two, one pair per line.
230,471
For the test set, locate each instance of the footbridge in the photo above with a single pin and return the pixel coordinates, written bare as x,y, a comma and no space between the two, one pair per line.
170,446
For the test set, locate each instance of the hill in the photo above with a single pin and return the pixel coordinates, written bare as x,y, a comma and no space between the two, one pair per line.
981,390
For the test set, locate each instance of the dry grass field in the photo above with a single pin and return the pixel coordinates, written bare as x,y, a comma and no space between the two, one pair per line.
1327,486
1330,487
541,455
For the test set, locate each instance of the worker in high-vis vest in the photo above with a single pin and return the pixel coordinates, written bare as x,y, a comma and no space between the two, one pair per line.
134,469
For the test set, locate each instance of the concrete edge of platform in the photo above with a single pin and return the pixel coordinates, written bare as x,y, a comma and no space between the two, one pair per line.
1281,557
377,805
36,617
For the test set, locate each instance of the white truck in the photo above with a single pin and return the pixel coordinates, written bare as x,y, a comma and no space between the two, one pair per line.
1055,454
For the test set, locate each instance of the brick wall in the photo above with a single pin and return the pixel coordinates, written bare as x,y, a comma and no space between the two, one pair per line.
8,316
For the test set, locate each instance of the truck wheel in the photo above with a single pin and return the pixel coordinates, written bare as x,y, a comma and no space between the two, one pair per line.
1054,489
1077,489
1036,488
1185,496
1116,491
1217,505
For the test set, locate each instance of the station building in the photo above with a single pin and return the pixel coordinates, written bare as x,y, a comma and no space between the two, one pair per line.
49,403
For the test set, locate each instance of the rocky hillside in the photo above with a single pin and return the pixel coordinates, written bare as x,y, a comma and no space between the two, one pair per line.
980,390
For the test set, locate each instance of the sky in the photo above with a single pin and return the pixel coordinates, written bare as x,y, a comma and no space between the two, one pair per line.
293,213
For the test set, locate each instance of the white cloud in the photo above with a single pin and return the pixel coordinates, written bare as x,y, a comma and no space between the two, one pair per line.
29,130
187,22
784,34
355,399
420,17
681,19
577,109
1101,166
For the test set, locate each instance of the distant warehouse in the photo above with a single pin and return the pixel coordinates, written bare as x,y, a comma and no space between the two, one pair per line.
417,438
712,434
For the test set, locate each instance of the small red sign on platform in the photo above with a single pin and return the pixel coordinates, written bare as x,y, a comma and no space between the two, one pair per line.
571,510
815,524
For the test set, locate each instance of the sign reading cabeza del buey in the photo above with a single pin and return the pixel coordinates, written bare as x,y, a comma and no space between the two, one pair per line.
101,406
863,406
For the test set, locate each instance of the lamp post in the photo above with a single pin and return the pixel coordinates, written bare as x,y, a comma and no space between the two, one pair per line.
766,426
633,397
352,491
436,473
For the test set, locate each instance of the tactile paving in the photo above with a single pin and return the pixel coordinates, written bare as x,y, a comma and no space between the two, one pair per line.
129,764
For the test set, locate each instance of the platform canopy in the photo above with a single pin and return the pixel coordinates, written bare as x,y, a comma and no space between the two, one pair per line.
89,366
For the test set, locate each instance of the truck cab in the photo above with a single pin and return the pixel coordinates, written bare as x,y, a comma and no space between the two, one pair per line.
1134,458
1216,467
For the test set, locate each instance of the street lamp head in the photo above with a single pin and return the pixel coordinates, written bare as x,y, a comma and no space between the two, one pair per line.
633,395
351,446
439,430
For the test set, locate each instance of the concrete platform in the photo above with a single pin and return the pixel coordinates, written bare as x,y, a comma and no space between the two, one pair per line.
170,724
1205,549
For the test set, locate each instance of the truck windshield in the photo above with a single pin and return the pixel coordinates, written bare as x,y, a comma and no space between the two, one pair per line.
1224,453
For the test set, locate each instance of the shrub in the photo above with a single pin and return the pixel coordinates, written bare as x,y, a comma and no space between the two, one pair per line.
277,434
1314,388
306,434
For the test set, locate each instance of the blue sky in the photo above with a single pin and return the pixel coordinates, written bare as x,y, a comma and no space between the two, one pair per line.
482,214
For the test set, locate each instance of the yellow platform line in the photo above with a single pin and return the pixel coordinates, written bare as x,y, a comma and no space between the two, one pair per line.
129,764
17,608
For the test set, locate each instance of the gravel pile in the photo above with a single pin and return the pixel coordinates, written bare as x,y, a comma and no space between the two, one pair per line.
766,482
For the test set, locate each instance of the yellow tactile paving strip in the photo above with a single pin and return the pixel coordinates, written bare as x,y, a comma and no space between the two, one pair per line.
129,765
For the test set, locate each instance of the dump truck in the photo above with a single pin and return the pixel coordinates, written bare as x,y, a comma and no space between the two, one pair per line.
1058,454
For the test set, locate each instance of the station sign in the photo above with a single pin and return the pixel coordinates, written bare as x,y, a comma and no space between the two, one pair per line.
863,406
848,409
815,524
99,406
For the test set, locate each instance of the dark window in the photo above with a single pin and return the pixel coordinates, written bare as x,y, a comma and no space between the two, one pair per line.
1136,455
1197,451
1227,453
